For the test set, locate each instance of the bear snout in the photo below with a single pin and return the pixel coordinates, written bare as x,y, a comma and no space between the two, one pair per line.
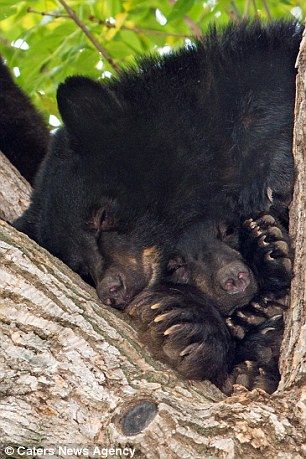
112,291
119,285
234,277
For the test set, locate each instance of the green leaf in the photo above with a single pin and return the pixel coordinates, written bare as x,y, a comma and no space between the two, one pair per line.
180,8
7,12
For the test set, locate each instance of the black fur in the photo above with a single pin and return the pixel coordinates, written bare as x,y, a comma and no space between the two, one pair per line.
24,136
189,311
202,135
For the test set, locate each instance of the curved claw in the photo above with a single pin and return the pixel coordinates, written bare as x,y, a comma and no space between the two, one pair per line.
262,242
270,194
256,231
189,349
255,305
156,306
264,331
236,330
173,329
268,256
162,317
248,222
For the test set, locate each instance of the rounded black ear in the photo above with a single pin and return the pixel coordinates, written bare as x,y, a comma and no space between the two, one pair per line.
86,105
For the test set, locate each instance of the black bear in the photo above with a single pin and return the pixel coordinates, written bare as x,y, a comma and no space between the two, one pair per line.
203,255
201,135
24,136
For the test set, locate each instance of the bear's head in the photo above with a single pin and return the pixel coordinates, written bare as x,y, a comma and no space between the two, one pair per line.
135,205
208,257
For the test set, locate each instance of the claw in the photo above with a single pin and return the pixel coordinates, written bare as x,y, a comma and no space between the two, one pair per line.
248,222
270,194
229,322
161,317
266,330
262,242
251,319
268,298
282,246
189,349
256,305
173,329
242,315
268,256
156,306
276,232
271,312
236,330
249,364
276,317
256,231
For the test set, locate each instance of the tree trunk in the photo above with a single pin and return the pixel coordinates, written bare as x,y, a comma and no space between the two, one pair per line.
14,192
73,373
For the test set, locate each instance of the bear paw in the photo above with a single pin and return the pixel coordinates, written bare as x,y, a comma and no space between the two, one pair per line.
182,328
257,313
269,253
257,358
251,375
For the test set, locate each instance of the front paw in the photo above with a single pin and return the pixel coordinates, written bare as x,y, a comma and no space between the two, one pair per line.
257,313
267,249
181,327
251,375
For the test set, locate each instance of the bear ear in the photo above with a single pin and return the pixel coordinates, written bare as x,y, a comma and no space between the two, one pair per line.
85,104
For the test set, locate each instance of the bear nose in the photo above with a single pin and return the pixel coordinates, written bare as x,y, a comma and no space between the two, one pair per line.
111,290
115,285
234,278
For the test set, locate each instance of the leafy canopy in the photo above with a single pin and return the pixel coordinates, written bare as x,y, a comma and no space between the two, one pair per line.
44,41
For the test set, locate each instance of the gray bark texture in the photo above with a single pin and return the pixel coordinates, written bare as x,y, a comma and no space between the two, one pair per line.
73,373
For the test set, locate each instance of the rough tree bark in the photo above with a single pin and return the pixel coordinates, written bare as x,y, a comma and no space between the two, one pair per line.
73,373
14,192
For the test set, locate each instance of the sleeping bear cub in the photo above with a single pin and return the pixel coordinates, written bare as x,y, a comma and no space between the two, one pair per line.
200,138
205,258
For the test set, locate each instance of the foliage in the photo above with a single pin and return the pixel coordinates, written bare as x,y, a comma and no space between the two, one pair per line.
43,44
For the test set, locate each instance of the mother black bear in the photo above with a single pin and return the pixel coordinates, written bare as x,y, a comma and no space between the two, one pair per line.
203,134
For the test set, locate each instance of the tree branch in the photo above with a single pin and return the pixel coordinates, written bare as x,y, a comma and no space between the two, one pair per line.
14,191
293,363
46,13
89,35
109,25
73,372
